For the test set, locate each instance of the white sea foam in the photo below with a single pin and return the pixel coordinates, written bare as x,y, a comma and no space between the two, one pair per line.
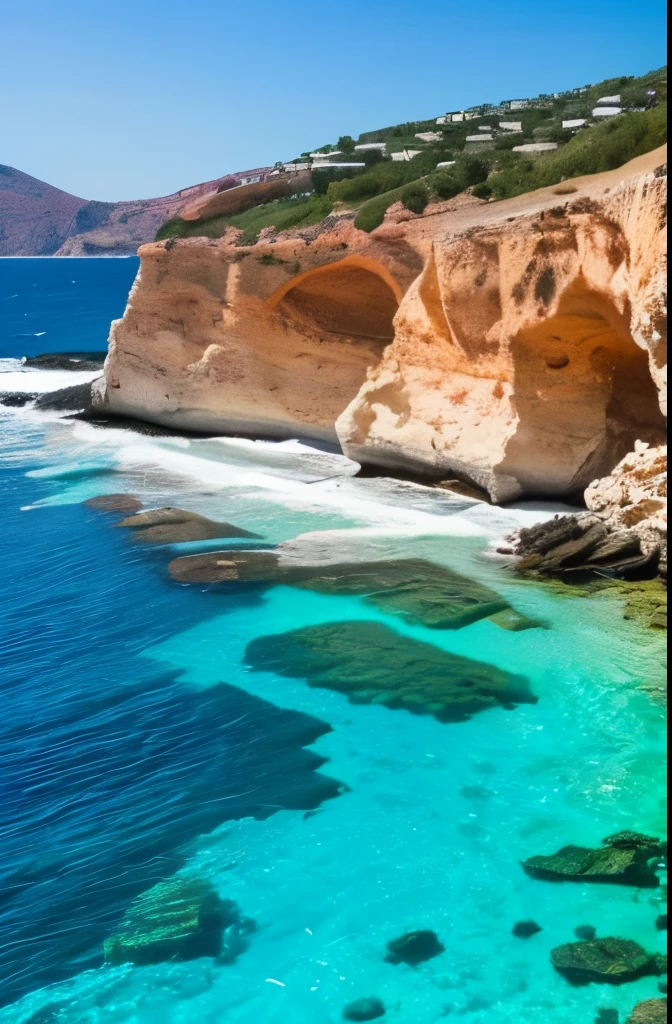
14,376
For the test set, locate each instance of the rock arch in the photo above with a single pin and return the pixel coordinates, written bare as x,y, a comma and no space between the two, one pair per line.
583,394
355,298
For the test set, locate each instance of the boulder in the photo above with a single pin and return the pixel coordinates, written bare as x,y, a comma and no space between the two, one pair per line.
627,858
414,948
661,922
368,1008
578,544
175,526
181,919
585,932
609,961
413,588
371,664
66,361
650,1011
114,503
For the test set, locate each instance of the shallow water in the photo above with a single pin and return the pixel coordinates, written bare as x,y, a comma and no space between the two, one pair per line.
137,742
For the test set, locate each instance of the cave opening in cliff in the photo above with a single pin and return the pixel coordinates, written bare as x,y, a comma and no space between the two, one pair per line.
583,394
354,298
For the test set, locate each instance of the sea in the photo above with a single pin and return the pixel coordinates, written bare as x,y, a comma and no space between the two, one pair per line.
143,741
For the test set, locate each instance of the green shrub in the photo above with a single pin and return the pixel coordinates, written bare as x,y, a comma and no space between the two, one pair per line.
483,190
281,214
415,196
446,184
322,177
372,213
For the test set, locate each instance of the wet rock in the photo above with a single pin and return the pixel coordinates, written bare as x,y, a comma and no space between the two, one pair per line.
16,399
114,503
585,932
69,399
651,1011
525,929
175,526
181,919
414,948
368,1008
66,361
662,985
607,1016
580,543
609,961
627,858
372,664
417,590
661,922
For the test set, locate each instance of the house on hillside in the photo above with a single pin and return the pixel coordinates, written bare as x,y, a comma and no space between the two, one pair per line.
477,143
429,136
321,164
608,106
362,147
535,147
517,104
511,126
444,163
573,124
405,155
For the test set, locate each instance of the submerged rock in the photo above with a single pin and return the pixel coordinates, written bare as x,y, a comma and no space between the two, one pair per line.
175,525
627,858
650,1011
661,922
585,932
414,948
181,919
418,590
610,961
607,1016
114,503
372,664
525,929
368,1008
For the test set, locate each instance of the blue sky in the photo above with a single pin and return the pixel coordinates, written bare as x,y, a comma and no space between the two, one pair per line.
139,98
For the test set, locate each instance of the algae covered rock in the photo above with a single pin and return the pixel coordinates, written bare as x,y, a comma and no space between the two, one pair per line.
414,948
176,525
627,858
372,664
368,1008
114,503
650,1011
610,961
180,919
413,588
525,929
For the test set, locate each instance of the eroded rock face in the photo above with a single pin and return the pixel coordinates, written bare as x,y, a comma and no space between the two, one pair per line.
528,356
626,858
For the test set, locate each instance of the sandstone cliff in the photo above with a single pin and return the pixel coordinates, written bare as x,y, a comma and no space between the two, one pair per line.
519,345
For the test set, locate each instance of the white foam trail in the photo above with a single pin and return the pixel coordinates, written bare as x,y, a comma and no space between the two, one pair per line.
14,376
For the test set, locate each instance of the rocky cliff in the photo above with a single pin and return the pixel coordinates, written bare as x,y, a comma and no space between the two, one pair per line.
37,219
519,345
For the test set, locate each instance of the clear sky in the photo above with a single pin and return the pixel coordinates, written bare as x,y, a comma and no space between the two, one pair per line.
137,98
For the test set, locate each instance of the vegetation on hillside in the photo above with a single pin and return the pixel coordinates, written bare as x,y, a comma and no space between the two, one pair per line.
497,173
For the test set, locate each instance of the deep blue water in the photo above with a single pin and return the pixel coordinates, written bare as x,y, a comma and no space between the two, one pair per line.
61,305
132,729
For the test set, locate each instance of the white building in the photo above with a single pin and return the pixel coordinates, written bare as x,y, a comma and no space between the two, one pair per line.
405,154
323,156
485,128
429,136
445,163
511,126
535,147
480,138
297,167
371,145
607,111
320,164
518,104
609,101
574,123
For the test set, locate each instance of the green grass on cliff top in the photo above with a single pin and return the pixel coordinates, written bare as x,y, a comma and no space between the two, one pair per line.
281,214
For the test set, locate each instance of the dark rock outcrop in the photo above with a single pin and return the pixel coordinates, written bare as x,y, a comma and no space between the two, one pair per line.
627,858
368,1008
609,961
66,361
16,399
180,919
581,543
414,948
585,932
71,399
114,503
176,525
371,664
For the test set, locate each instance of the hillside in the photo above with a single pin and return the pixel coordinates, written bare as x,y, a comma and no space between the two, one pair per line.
37,219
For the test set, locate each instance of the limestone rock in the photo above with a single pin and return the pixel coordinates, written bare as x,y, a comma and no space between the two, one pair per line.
610,961
372,664
180,919
627,858
650,1011
368,1008
414,948
175,526
114,503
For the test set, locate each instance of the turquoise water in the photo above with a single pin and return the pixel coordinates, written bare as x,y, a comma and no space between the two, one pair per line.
137,743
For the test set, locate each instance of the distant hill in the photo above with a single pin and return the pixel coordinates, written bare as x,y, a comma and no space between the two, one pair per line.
37,219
